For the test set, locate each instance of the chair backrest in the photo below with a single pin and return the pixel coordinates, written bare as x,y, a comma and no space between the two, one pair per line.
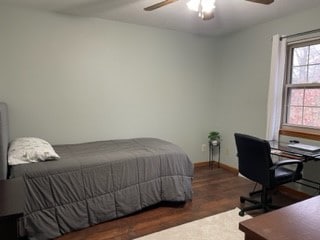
254,158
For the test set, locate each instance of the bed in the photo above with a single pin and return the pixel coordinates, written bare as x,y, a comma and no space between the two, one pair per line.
96,182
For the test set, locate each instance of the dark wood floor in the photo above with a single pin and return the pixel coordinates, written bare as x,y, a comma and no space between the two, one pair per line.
215,191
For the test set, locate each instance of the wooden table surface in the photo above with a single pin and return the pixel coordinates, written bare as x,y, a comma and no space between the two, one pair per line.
300,221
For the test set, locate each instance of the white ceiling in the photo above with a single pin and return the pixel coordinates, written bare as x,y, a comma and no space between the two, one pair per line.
230,15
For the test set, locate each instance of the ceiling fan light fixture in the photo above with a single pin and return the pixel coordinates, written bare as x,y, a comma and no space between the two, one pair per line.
207,6
193,5
203,7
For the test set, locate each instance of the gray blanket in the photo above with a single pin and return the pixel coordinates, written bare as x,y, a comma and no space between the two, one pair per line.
99,181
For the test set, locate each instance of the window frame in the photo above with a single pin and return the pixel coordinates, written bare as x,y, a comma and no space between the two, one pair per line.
308,132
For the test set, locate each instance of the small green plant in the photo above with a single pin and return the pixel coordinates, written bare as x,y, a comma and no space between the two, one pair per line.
214,136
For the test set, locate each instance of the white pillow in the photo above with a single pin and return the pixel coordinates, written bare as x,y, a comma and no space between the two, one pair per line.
30,149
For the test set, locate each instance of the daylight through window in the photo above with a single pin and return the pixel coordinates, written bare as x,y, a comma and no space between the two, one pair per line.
302,87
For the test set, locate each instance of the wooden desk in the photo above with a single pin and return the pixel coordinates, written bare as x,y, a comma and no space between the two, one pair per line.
11,207
300,221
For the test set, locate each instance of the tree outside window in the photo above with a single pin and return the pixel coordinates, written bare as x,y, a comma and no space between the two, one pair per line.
302,89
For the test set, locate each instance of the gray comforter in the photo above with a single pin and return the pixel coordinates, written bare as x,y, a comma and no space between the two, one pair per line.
99,181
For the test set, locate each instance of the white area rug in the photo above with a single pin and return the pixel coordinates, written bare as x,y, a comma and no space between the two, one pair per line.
222,226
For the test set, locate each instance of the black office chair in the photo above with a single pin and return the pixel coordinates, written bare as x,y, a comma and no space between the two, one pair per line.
255,163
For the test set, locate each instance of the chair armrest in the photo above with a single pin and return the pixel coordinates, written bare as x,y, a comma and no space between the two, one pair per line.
288,162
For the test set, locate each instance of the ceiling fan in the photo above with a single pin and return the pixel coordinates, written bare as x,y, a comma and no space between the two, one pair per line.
203,13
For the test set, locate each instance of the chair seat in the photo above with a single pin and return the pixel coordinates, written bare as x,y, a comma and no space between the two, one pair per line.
285,175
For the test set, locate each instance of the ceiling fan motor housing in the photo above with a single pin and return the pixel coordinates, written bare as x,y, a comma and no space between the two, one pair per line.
262,1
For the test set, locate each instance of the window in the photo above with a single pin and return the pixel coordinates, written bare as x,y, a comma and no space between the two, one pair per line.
302,87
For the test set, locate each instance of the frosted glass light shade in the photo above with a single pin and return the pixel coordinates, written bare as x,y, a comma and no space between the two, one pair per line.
201,5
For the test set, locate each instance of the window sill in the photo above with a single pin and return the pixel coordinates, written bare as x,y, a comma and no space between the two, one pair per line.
307,133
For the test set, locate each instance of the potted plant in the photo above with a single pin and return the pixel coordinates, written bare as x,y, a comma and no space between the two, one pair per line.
214,137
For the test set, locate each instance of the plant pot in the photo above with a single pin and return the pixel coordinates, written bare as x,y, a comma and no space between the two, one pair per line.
214,142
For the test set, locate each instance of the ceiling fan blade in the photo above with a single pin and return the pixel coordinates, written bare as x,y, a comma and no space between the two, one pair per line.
158,5
262,1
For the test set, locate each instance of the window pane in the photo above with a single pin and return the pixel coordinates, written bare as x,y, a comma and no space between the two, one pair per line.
296,97
299,75
314,74
311,117
295,115
312,97
314,57
302,88
300,56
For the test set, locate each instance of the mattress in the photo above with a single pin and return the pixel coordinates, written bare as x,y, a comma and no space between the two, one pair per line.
99,181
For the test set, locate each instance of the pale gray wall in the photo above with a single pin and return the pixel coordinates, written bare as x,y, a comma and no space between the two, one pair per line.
69,79
244,81
243,86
